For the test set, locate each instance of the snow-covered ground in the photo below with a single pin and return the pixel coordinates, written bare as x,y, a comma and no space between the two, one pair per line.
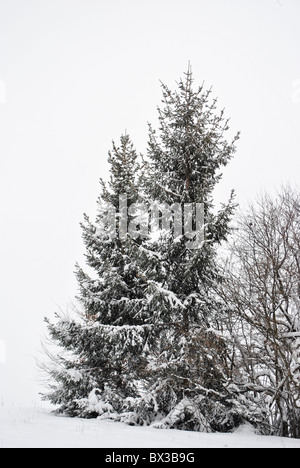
39,428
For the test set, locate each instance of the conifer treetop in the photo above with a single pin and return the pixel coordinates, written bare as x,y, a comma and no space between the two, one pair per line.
124,169
191,146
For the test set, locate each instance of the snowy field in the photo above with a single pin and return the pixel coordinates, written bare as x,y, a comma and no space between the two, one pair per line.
39,428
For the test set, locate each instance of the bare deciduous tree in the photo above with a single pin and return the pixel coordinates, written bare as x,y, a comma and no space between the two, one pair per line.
262,295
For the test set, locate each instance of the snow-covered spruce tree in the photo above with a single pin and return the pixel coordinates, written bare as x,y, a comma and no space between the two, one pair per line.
190,384
101,364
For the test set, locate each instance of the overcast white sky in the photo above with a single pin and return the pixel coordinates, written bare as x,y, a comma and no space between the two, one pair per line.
74,74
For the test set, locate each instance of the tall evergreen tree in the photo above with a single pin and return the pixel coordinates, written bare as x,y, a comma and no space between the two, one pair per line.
104,359
189,384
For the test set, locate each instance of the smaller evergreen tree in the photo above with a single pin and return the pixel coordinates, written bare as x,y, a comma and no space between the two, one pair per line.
102,362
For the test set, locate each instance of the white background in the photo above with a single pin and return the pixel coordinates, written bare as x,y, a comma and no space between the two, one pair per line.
74,75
